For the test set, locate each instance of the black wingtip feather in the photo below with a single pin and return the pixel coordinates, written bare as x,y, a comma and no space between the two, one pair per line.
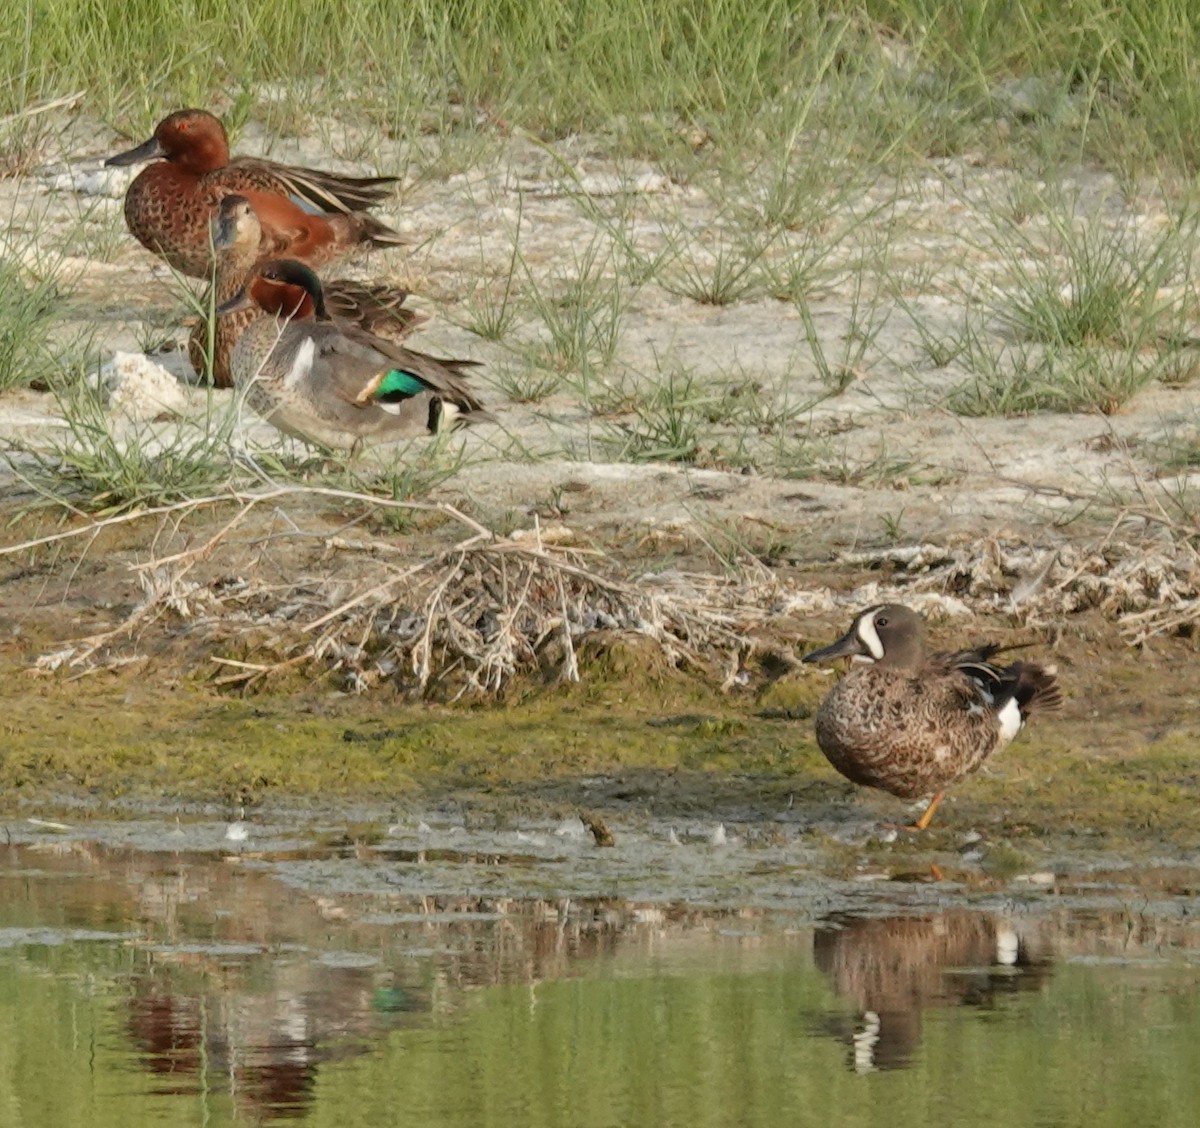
1036,689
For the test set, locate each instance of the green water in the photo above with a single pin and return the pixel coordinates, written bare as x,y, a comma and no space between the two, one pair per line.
161,990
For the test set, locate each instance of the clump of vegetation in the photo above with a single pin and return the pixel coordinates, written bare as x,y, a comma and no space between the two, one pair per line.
1117,79
27,311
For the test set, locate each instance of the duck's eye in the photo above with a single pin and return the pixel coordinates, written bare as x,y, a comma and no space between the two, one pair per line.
882,621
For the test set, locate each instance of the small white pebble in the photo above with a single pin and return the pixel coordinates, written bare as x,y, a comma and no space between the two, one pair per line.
718,838
571,828
237,832
139,388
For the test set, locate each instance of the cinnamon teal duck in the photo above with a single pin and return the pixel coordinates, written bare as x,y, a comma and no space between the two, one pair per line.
236,238
331,383
912,722
304,213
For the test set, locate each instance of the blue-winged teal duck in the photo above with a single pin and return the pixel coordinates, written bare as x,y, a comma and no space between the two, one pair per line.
236,236
305,214
913,723
330,383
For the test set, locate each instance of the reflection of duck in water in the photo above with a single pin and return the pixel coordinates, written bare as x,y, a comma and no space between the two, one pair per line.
267,1042
894,968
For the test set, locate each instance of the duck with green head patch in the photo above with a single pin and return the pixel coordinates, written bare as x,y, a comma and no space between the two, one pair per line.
332,383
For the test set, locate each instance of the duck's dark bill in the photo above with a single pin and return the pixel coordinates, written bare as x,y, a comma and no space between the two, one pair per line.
240,300
147,151
848,646
224,232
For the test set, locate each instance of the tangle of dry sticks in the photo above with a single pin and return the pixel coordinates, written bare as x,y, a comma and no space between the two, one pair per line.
468,616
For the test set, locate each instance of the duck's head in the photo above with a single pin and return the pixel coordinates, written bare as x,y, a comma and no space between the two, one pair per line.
283,287
888,634
235,226
194,140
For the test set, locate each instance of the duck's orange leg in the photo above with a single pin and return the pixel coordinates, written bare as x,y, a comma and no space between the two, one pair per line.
927,815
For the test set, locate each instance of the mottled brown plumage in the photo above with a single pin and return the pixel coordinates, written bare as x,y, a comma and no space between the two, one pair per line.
305,213
236,238
913,723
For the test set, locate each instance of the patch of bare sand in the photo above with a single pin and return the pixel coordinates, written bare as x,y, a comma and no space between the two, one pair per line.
880,462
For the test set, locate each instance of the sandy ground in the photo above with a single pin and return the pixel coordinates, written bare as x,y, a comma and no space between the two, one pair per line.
881,462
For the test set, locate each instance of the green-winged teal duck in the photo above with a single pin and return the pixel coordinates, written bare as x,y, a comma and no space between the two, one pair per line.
913,723
331,383
305,214
236,236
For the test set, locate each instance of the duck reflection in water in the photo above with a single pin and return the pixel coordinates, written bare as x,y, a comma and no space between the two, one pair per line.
265,1047
893,969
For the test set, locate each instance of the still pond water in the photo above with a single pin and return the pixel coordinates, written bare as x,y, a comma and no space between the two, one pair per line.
174,987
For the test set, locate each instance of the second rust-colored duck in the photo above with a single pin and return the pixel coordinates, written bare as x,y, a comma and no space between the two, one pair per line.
305,213
377,308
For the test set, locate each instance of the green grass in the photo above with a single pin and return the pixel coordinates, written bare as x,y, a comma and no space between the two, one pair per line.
1020,379
788,135
936,76
1086,283
579,307
99,466
27,309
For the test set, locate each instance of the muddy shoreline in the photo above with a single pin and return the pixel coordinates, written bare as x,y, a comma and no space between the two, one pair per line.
148,731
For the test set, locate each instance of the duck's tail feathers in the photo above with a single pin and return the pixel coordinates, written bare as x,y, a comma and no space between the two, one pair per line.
448,415
358,228
1035,688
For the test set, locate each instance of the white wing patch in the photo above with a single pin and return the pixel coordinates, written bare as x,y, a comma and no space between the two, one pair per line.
1008,946
1009,716
865,1041
303,363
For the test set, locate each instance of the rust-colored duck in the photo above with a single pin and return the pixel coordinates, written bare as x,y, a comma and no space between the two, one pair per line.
376,308
304,213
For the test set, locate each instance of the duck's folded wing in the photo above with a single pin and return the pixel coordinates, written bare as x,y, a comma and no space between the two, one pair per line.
375,307
312,189
449,378
351,367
